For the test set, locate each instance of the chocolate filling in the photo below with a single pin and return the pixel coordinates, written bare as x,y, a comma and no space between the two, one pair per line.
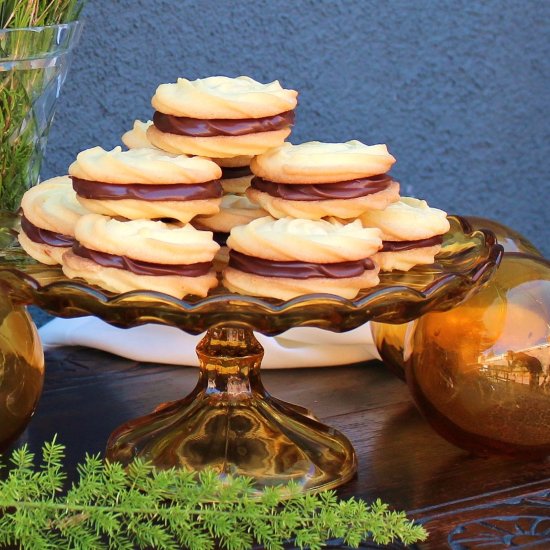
350,189
140,267
298,270
44,236
399,246
195,127
231,173
147,192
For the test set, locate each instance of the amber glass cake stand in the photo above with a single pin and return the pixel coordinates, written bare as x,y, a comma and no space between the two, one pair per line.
229,421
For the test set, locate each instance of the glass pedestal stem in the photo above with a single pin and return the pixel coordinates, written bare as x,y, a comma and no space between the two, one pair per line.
230,360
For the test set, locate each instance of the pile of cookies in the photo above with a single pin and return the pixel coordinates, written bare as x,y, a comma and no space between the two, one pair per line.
211,186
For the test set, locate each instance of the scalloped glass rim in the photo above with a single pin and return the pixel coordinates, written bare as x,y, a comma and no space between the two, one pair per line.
467,260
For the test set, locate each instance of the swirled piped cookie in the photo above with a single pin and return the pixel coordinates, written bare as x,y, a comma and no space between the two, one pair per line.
290,257
50,212
221,117
315,180
120,256
136,138
146,184
412,233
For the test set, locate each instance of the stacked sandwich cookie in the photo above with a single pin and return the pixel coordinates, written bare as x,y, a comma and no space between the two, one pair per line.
315,180
289,257
50,212
345,182
227,120
146,184
412,233
221,117
212,167
142,254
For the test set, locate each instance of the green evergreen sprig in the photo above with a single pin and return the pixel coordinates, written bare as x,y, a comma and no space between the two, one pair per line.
113,507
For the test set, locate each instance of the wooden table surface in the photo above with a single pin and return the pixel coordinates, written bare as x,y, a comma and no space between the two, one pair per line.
462,500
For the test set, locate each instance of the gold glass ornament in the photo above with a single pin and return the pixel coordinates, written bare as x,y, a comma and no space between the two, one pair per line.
480,373
390,340
21,370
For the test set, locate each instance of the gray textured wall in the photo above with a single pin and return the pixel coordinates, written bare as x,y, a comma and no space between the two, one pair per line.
459,90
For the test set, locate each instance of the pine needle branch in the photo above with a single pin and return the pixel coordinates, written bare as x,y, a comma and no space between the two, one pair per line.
112,507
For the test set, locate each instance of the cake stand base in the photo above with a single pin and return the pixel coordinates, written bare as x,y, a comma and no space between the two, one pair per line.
229,423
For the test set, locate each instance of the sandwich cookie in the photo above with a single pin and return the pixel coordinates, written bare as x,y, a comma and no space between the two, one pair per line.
146,184
221,117
314,180
412,233
50,212
286,258
120,256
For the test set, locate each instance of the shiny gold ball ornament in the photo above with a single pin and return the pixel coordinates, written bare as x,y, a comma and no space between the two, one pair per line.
21,370
391,340
480,373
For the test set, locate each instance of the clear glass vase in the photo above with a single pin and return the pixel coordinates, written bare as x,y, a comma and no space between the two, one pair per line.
33,65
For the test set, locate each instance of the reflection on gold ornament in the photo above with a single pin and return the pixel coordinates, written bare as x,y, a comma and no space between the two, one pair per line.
480,373
21,370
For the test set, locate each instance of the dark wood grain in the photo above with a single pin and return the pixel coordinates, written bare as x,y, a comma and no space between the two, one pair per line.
401,460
